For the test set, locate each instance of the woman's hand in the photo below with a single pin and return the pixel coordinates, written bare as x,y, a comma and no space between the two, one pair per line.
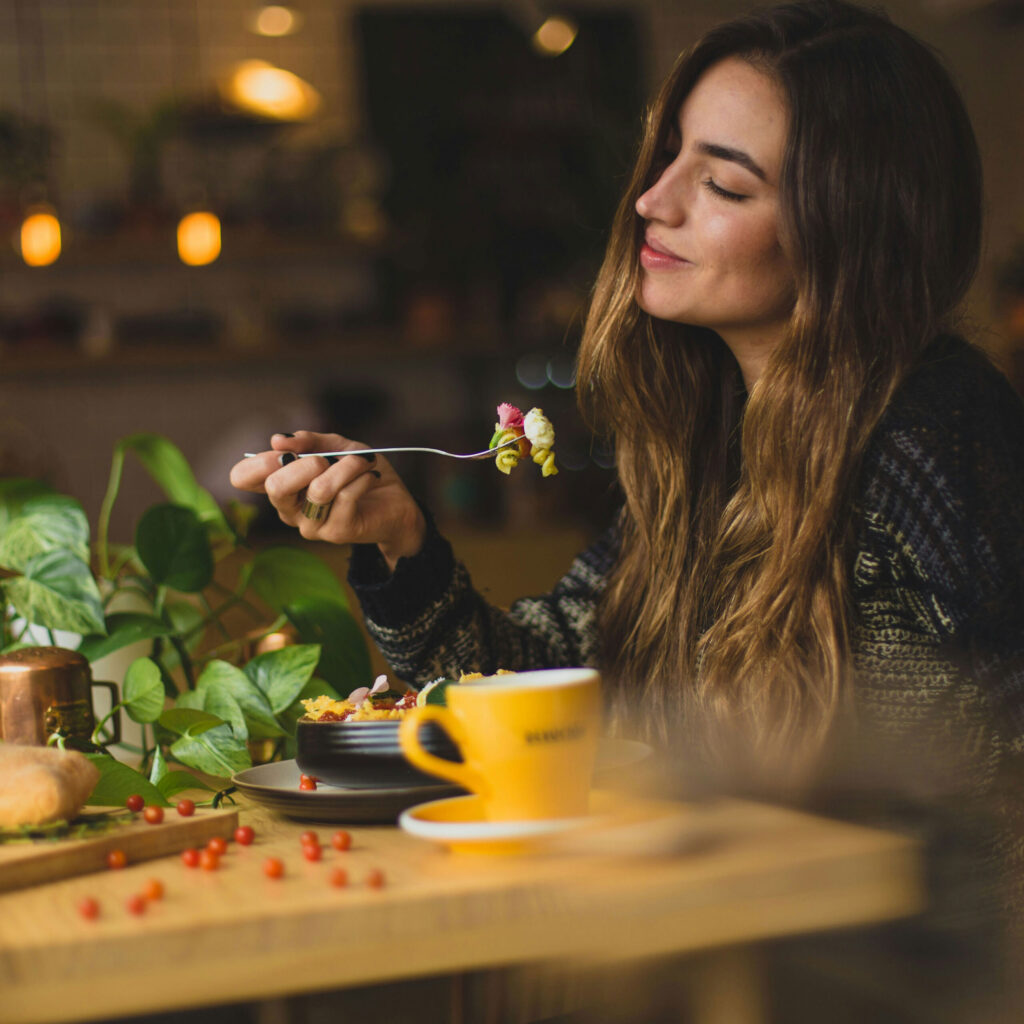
351,500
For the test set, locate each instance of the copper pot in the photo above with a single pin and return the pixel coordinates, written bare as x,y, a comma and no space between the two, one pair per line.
44,690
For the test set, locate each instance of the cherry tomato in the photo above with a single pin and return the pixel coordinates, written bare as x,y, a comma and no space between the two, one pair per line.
312,851
89,908
186,807
219,845
341,840
153,889
116,859
190,857
309,837
273,867
153,813
244,835
135,904
307,783
375,878
134,803
310,778
209,860
338,878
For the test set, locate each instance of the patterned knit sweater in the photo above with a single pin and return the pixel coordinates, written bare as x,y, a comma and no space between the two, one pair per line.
936,588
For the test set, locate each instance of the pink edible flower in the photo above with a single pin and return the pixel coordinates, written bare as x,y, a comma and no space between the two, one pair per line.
358,695
509,417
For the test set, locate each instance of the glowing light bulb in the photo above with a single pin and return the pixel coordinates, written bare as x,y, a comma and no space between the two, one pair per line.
40,238
263,89
555,36
276,20
198,238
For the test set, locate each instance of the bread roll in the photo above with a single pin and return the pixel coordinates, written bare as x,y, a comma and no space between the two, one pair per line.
43,784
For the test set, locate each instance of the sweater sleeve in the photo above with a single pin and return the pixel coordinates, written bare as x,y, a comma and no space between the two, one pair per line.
429,621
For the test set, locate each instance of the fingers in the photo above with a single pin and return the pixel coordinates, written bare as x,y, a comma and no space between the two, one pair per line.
251,474
337,519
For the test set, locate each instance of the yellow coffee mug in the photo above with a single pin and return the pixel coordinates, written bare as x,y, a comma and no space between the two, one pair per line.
528,741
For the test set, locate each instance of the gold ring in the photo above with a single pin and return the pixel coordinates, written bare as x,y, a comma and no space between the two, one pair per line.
317,513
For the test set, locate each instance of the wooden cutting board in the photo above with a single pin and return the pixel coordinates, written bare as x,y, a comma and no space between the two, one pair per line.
46,860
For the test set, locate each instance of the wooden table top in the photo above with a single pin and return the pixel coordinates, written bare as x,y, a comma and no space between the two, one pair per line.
752,872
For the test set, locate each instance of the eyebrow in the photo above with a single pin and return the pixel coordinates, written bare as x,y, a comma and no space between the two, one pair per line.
736,156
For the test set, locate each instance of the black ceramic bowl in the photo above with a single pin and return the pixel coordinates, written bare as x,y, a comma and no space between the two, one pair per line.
367,755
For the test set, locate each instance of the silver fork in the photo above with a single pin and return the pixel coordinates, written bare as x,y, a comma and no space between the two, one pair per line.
485,454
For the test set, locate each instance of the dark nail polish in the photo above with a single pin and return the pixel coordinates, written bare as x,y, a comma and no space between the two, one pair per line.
331,459
369,456
375,472
285,457
281,433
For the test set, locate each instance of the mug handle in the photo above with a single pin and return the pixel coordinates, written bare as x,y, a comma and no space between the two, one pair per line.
409,740
115,719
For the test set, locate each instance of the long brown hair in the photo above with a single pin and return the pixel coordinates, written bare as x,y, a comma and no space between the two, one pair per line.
728,605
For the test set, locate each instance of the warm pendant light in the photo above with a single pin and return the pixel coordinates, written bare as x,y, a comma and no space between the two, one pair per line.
260,88
40,237
275,20
198,238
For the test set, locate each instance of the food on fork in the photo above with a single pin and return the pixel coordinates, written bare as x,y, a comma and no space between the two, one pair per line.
536,438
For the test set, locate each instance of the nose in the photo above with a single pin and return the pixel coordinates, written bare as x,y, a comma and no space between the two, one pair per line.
663,201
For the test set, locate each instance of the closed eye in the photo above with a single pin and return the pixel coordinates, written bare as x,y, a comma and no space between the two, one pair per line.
713,187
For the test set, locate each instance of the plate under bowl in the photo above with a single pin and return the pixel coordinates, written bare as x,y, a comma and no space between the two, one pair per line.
366,755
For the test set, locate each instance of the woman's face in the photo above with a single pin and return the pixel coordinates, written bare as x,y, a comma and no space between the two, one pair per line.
711,255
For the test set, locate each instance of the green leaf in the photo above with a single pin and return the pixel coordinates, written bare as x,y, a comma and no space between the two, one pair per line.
123,629
344,656
281,675
220,703
178,782
118,782
438,694
49,522
174,547
159,769
219,678
58,591
14,492
186,720
216,752
284,575
143,691
166,464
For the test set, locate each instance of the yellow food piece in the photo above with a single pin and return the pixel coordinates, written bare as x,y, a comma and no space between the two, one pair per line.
545,458
43,784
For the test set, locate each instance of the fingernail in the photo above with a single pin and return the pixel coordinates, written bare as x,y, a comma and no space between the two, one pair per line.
285,457
281,433
375,472
331,459
369,456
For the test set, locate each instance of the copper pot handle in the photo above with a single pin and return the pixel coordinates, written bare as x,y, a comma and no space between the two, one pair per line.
115,719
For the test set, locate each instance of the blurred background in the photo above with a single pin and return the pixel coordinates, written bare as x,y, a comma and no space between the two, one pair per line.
222,219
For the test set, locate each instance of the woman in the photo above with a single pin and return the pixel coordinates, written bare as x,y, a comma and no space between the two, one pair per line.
822,538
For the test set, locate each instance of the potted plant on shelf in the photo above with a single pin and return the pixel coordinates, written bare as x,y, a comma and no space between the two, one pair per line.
192,589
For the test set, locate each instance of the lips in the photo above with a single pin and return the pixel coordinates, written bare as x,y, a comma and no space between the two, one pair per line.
654,256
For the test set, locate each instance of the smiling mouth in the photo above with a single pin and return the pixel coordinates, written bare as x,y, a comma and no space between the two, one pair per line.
653,257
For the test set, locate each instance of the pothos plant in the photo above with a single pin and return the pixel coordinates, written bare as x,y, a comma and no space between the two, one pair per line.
200,699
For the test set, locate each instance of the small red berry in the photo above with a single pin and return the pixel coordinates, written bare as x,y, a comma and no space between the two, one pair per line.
153,813
273,867
135,904
375,878
134,803
312,851
209,860
307,783
341,840
116,859
153,889
311,778
244,835
309,837
219,845
89,908
339,878
190,857
186,808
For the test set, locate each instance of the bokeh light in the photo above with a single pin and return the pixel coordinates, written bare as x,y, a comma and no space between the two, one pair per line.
555,36
199,238
40,240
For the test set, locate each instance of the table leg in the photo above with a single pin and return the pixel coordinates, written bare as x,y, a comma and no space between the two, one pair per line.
728,988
